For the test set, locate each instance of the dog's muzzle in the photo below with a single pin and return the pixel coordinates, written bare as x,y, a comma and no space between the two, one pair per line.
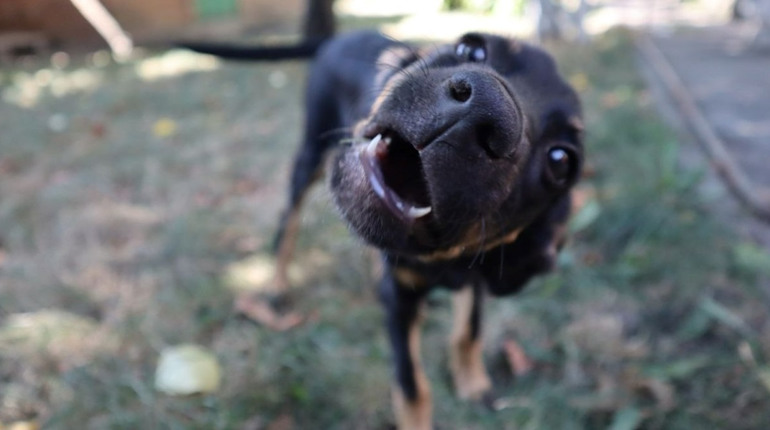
470,112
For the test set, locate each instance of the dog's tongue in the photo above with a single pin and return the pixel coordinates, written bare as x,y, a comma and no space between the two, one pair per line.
370,156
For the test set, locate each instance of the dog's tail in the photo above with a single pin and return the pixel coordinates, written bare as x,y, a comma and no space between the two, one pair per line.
305,49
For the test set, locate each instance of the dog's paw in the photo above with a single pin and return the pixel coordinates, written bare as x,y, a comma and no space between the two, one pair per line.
265,311
472,384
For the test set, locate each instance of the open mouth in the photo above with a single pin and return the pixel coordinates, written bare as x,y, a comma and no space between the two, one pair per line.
395,173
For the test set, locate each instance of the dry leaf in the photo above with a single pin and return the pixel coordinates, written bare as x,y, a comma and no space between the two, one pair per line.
187,369
164,127
21,425
518,360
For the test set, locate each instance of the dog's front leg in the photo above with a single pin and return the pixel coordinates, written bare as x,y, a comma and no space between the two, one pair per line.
466,359
412,403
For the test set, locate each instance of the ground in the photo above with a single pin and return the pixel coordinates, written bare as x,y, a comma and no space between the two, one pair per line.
136,199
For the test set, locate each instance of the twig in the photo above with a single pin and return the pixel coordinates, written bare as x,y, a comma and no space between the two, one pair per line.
755,198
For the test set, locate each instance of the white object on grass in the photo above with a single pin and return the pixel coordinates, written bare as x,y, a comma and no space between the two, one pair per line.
187,369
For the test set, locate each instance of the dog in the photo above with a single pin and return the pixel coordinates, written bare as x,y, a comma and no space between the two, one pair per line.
457,167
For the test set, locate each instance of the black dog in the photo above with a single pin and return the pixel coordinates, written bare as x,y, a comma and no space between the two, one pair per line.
460,171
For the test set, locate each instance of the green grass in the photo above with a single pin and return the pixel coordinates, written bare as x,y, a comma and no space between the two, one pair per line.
656,317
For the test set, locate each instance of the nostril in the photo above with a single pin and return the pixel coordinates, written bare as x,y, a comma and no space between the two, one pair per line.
485,134
493,142
460,89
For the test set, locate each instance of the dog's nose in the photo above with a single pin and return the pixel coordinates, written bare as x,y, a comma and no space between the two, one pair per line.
485,110
460,88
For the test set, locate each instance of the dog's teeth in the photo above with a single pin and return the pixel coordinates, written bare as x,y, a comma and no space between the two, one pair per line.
387,140
371,149
415,213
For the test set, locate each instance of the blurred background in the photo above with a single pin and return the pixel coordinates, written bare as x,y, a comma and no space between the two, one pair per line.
141,184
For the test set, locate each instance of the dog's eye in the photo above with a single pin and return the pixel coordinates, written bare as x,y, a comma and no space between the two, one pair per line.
560,165
472,52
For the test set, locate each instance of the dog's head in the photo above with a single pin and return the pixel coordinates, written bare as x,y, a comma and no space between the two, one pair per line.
464,145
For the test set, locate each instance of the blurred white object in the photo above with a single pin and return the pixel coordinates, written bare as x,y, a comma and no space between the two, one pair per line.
187,369
106,25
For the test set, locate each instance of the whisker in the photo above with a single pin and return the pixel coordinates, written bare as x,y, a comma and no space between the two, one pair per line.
480,252
335,131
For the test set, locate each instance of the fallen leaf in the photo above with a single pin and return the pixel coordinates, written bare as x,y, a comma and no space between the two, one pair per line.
21,425
251,274
67,338
164,127
187,369
518,360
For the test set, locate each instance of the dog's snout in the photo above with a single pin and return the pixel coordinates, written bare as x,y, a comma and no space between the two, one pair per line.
484,107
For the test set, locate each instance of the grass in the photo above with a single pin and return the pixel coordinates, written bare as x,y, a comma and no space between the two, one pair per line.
124,200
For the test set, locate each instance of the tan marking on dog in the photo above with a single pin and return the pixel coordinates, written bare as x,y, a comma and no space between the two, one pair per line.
415,414
468,248
285,252
576,123
409,278
557,241
466,359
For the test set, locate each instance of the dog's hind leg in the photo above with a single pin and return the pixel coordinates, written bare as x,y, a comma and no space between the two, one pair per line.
412,401
306,171
260,307
466,360
322,116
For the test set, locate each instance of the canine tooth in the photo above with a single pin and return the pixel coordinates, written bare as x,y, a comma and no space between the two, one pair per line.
387,140
419,212
371,149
